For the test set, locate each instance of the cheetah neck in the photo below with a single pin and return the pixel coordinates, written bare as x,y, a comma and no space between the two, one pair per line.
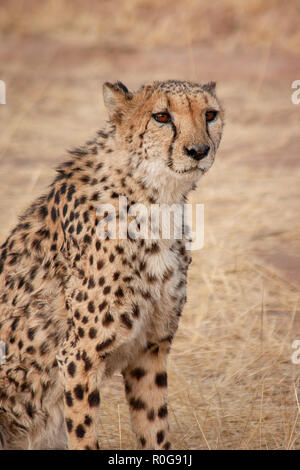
169,187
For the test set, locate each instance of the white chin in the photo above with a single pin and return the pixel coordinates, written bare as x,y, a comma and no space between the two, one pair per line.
186,171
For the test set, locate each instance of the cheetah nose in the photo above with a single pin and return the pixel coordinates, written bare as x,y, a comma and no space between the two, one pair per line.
197,152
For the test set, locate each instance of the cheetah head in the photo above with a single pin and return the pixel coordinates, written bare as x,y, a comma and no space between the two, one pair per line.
171,129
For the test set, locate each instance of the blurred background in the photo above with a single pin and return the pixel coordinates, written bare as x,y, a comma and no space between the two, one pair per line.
232,381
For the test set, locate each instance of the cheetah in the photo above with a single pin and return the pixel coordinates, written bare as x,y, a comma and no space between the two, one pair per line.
76,307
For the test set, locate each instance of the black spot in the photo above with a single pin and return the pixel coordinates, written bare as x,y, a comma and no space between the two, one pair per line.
77,314
30,410
146,295
142,266
69,424
87,239
88,420
85,179
36,245
21,283
119,249
71,369
63,188
137,404
100,264
167,445
161,379
69,399
107,319
154,248
53,214
151,415
87,364
136,311
142,441
91,283
95,196
91,307
125,319
151,279
92,333
128,388
162,412
80,431
81,332
44,348
30,350
70,192
160,437
94,398
105,344
79,228
15,323
79,392
119,292
57,198
43,211
138,373
102,305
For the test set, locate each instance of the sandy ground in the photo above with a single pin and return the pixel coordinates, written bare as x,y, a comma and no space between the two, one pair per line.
232,382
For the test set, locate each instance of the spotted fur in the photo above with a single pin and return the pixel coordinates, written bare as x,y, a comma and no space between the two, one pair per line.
74,308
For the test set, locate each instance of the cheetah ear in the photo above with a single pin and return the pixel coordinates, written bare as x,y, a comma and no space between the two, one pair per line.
116,97
210,87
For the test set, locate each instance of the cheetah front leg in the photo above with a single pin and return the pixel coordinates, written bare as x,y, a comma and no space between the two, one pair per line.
145,381
82,399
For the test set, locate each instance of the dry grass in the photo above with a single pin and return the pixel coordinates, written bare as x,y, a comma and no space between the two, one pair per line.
232,382
153,23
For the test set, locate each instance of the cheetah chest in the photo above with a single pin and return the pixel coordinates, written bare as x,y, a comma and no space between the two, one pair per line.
163,284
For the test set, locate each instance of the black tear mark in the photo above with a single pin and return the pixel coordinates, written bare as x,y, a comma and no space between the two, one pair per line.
170,161
142,135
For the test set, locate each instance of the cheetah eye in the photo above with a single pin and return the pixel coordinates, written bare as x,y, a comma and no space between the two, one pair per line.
162,117
210,115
